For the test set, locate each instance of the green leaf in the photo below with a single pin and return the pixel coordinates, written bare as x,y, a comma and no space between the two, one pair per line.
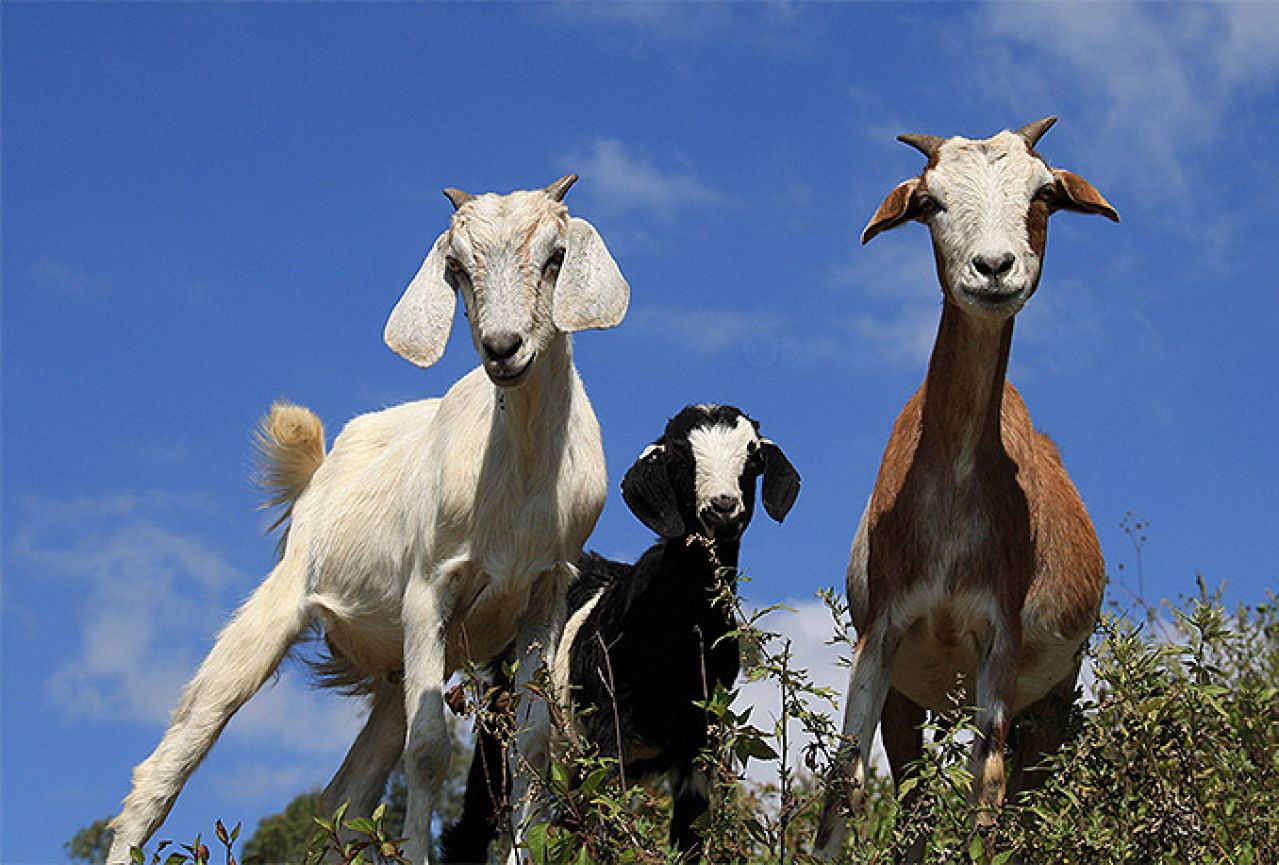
136,856
977,850
363,825
1002,858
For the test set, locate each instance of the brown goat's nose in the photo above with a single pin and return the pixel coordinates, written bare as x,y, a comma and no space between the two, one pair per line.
502,346
994,265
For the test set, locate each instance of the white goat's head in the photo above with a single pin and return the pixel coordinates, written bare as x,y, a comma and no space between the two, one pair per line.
987,205
525,269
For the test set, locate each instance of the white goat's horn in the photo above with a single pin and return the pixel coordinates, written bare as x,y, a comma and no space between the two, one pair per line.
1032,132
925,144
559,188
457,196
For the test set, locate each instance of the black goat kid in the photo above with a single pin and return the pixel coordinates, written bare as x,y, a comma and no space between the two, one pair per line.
644,641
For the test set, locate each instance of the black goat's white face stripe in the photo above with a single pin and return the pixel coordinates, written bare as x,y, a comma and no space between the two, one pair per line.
719,458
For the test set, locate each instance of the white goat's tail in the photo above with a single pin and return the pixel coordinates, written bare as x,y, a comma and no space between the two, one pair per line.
289,447
245,654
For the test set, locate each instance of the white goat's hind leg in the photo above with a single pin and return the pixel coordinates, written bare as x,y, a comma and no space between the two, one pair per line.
247,651
868,683
428,745
362,779
535,649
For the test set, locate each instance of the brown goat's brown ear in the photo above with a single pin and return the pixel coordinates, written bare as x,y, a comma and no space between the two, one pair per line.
894,211
1080,195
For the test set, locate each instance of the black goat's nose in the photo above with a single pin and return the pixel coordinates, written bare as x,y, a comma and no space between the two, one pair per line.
724,504
502,346
994,265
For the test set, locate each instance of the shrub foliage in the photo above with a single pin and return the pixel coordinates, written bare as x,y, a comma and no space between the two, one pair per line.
1174,758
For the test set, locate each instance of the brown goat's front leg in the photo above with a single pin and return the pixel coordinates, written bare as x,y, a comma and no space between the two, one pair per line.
868,684
996,685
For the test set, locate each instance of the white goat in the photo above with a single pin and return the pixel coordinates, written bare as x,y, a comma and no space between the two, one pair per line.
435,531
975,561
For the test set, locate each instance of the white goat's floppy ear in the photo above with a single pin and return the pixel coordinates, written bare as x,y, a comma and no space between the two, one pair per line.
419,325
893,211
781,481
647,491
591,291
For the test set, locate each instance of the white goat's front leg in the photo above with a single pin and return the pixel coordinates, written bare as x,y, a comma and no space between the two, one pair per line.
535,650
428,747
361,780
868,683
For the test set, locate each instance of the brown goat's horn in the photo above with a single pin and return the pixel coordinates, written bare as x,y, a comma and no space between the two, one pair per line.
1032,132
925,144
559,188
457,196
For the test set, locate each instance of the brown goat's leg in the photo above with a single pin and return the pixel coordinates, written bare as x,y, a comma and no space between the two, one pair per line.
1042,727
868,685
996,682
903,737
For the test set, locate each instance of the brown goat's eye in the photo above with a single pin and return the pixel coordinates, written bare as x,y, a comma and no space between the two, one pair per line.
453,264
927,205
1047,193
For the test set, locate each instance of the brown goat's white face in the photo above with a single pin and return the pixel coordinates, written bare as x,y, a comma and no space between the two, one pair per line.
978,202
987,205
525,271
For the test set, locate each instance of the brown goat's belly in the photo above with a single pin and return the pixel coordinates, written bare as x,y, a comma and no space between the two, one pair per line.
937,659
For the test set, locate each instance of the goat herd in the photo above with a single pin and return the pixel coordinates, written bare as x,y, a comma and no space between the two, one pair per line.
447,531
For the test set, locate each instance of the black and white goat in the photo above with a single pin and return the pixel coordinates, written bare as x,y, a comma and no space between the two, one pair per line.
644,641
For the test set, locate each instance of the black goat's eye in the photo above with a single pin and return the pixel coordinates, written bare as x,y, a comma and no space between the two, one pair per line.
554,262
453,264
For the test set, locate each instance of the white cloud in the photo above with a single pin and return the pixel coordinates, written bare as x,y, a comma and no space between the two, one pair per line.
152,598
1165,78
621,182
54,274
809,627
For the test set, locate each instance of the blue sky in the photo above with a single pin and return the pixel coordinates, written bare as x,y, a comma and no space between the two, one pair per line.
206,207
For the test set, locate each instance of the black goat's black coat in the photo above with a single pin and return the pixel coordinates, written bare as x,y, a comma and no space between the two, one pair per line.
656,641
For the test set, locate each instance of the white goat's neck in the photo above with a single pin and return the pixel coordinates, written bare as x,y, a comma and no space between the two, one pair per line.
963,391
540,406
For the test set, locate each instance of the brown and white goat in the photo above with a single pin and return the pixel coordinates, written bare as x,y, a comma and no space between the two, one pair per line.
975,563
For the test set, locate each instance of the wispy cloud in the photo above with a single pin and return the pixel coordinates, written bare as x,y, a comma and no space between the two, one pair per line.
1165,79
677,22
622,183
809,628
53,274
152,595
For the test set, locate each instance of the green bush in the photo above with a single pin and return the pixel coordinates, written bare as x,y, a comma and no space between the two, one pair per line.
1174,759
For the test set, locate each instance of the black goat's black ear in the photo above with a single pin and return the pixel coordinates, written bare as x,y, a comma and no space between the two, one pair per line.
781,481
647,491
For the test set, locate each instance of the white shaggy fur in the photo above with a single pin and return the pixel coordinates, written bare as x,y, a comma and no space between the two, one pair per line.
434,531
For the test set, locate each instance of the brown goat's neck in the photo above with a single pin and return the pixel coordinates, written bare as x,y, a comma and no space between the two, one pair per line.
964,389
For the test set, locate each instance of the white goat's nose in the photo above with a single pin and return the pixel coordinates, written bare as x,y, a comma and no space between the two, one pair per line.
994,265
502,345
